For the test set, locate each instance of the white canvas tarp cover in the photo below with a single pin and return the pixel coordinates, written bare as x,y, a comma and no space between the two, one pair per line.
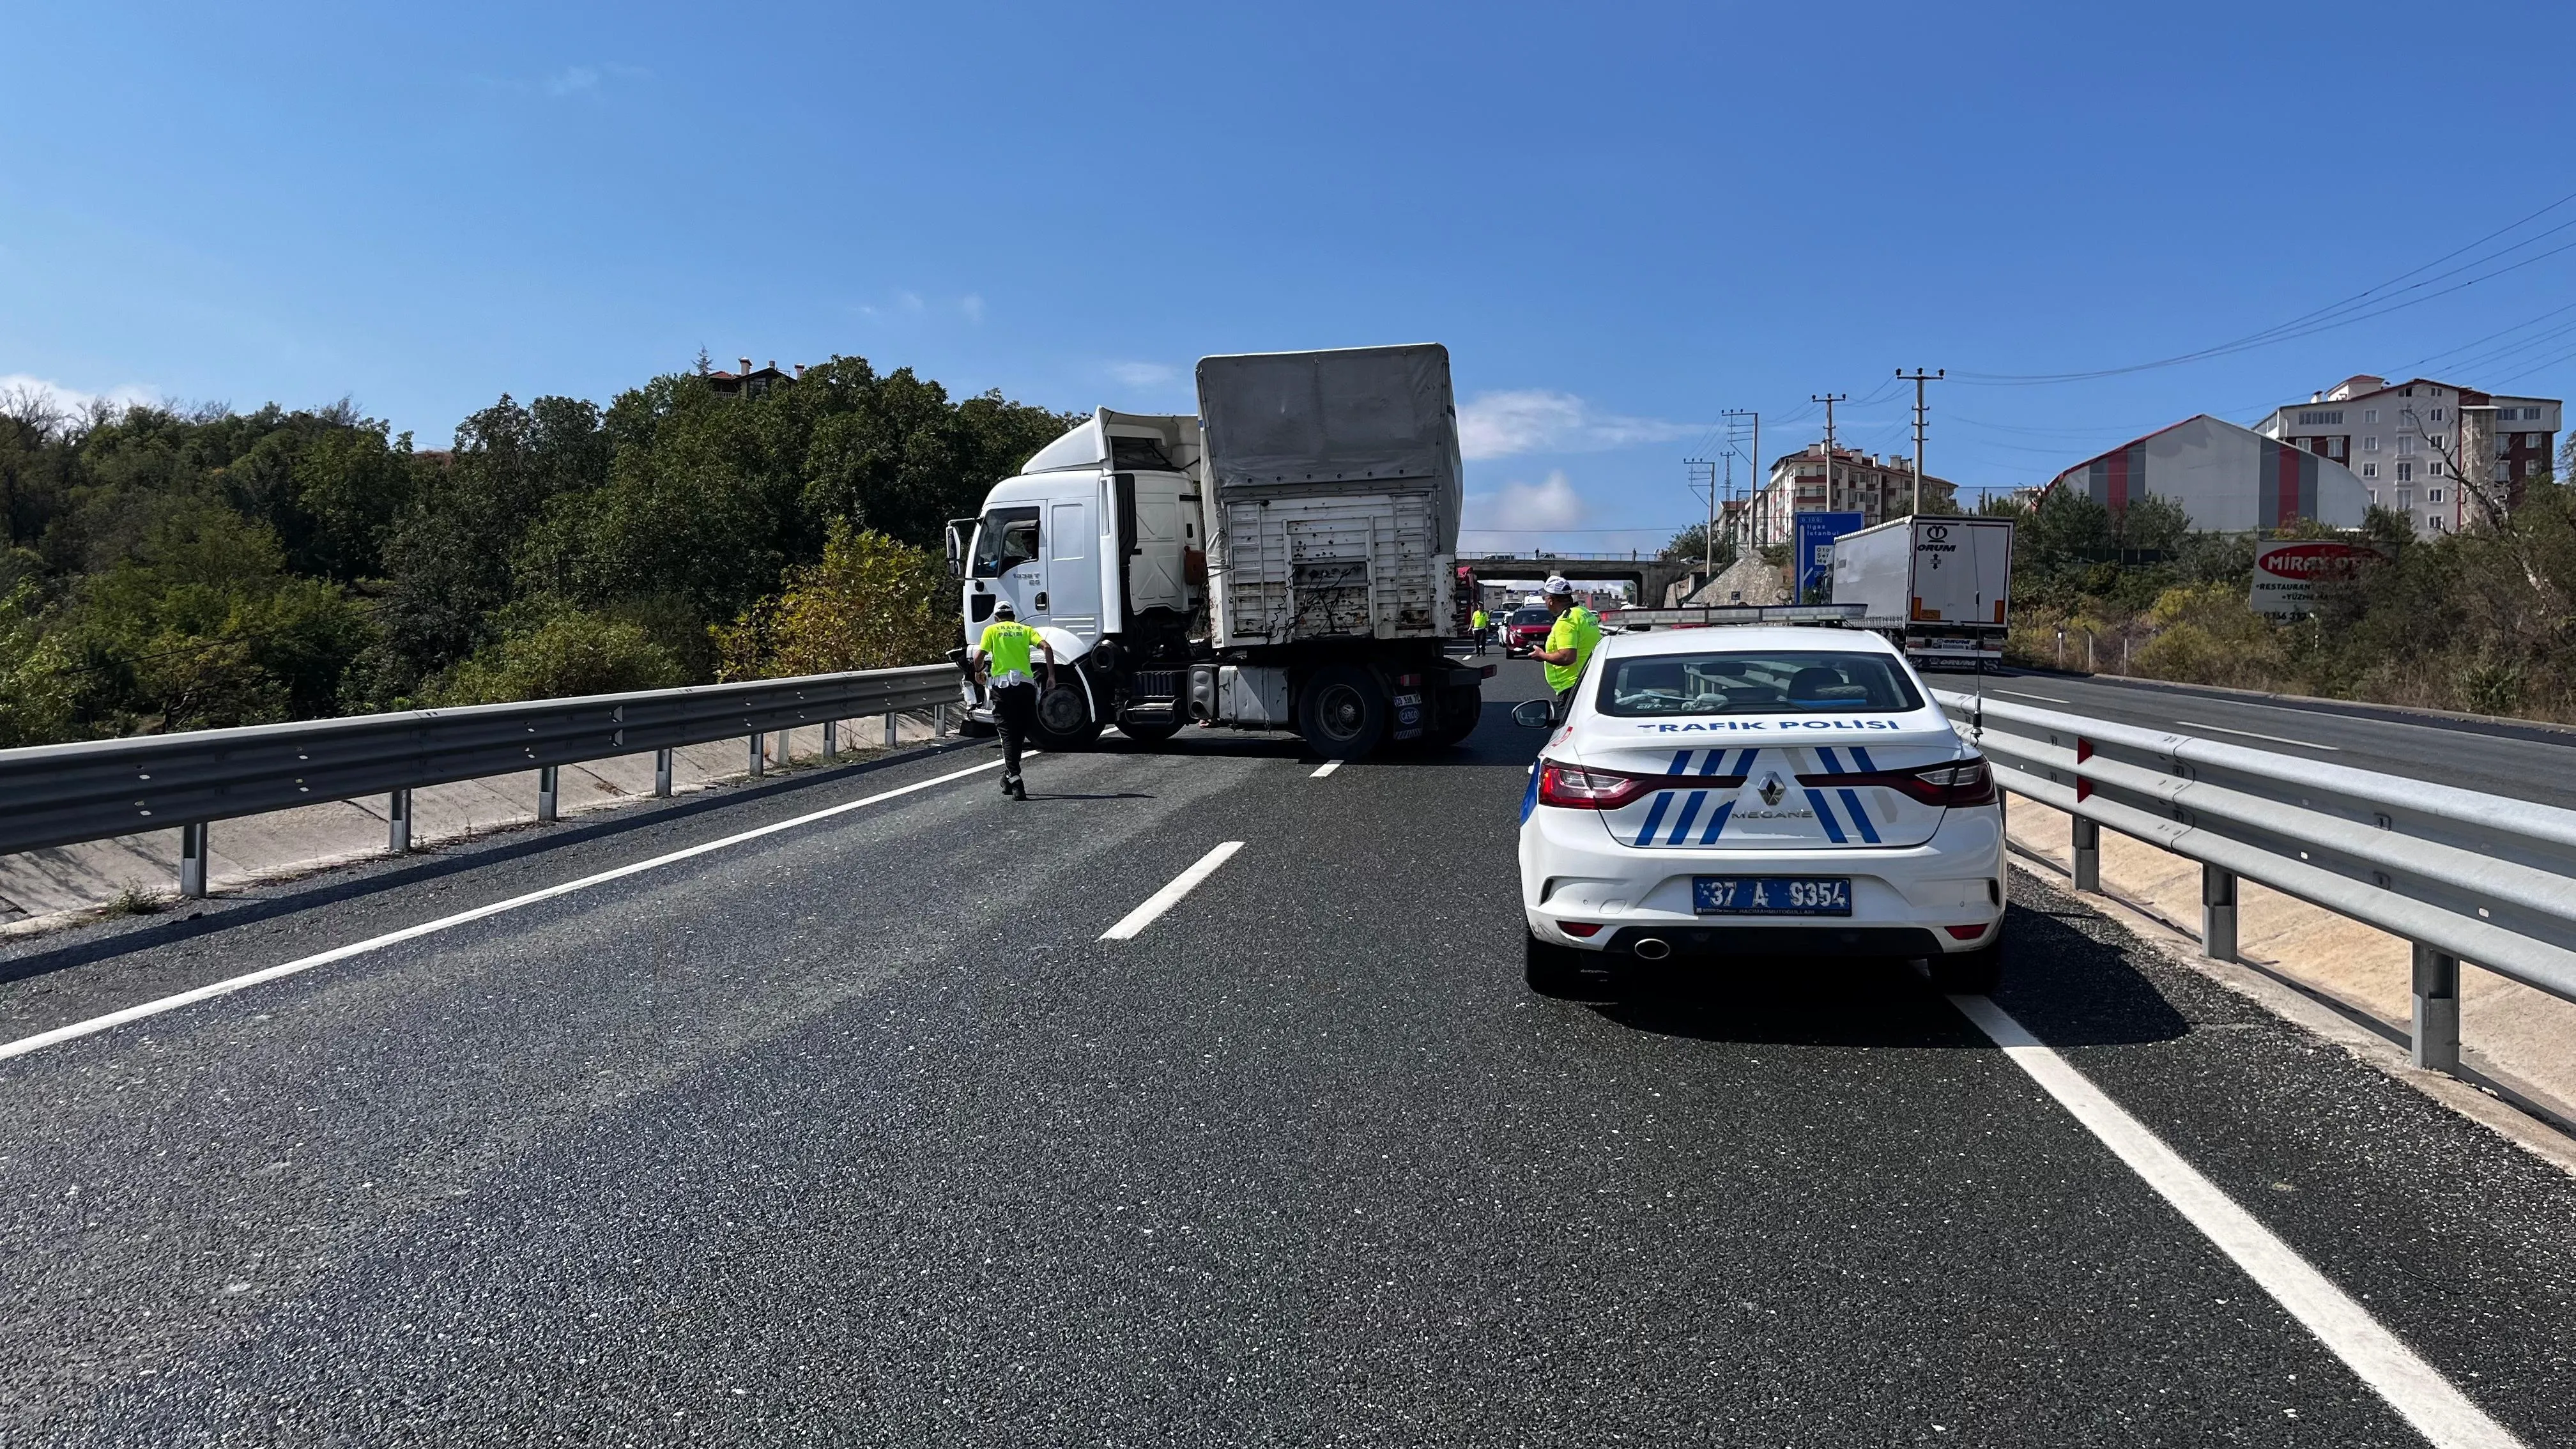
1288,420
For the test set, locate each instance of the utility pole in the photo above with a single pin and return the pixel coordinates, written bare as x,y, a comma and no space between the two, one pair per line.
1828,399
1738,421
1708,536
1919,378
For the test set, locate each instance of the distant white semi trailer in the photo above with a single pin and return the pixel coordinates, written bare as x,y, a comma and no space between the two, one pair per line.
1939,586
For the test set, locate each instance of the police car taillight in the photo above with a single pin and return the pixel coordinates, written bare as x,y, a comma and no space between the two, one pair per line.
1569,788
1957,782
1962,782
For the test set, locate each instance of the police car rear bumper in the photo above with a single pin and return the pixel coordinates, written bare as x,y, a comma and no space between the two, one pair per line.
1571,870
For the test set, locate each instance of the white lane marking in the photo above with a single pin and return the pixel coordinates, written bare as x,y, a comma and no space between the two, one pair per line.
1326,768
1169,896
2017,694
2414,1388
25,1044
2259,735
2404,724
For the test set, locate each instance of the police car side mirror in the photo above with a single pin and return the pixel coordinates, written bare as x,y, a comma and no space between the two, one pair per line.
1535,714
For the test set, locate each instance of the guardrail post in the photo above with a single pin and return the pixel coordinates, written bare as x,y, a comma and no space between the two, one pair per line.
192,860
398,822
2088,854
759,756
546,793
889,729
662,774
2436,1045
831,739
2217,913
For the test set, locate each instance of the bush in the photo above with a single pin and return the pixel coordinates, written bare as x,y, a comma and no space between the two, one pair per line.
36,676
872,603
570,654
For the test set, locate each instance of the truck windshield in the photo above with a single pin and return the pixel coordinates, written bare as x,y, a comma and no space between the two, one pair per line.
1007,538
1764,683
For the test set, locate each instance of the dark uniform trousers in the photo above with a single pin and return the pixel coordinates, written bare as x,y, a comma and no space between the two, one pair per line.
1015,711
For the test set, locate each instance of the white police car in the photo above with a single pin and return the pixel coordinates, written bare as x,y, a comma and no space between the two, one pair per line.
1757,791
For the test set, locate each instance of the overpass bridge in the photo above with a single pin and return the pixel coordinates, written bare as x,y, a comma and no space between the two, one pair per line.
1198,1100
1647,574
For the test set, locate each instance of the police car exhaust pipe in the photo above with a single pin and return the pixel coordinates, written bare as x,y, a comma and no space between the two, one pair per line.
1651,948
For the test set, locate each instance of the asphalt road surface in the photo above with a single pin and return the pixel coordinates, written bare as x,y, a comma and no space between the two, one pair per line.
2521,761
856,1132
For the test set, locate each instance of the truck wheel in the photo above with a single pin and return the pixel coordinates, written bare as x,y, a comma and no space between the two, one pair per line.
1064,719
1342,712
1150,731
1460,708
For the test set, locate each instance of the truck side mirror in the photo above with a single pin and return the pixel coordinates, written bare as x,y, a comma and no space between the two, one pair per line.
956,551
1536,714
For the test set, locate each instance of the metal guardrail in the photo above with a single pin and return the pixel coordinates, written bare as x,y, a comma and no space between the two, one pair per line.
2461,875
97,789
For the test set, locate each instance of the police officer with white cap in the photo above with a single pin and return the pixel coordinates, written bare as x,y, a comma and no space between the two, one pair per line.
1002,656
1570,642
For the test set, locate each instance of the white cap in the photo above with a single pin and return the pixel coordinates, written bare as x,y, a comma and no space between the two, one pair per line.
1556,584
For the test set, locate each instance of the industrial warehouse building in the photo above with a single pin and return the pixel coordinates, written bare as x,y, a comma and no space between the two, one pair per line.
2229,479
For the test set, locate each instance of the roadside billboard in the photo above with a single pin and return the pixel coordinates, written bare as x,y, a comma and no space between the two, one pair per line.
1813,552
2286,571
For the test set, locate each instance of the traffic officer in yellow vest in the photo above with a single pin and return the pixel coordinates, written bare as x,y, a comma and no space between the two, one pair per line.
1002,656
1478,623
1570,642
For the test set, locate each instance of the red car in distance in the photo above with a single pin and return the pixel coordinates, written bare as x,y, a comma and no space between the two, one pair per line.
1525,629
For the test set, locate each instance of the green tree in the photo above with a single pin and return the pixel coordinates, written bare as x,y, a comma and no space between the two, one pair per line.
204,627
872,603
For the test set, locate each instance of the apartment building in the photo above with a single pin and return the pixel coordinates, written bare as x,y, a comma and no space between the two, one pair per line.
2407,441
1877,488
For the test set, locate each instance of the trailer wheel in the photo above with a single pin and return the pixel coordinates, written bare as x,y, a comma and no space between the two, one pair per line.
1342,712
1460,708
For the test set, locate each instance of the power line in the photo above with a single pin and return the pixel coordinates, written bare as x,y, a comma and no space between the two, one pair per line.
2355,308
2490,337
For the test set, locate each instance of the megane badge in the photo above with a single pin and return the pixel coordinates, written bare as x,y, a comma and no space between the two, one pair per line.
1772,789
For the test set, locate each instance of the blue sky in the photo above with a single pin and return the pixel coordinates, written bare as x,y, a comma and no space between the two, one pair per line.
1622,219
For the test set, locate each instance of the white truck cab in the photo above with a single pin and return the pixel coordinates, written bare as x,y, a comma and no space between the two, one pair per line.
1096,544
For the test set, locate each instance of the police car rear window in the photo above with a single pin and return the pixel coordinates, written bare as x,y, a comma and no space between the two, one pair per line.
1785,682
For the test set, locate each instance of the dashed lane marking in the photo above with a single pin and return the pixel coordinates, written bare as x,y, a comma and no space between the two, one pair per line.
2414,1388
1326,768
2259,735
26,1044
1169,896
2017,694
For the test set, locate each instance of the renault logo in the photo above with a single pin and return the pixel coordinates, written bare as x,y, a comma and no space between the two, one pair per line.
1772,789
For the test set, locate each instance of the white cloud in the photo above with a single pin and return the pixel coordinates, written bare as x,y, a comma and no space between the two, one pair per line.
587,80
1144,374
1511,519
22,395
1532,420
